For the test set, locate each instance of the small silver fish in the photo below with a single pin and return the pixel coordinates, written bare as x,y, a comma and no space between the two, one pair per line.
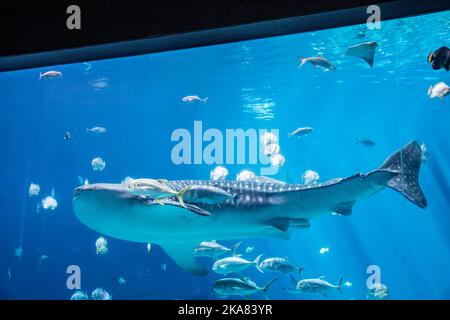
439,90
317,285
96,130
101,294
301,132
98,164
219,173
50,74
194,98
79,295
317,62
377,292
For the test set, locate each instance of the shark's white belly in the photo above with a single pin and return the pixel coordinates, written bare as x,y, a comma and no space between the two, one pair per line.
158,223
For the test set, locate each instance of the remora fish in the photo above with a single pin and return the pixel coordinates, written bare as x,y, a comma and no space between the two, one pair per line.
155,189
207,195
365,51
265,209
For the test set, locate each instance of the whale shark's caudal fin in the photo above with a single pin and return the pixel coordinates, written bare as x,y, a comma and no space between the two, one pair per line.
406,162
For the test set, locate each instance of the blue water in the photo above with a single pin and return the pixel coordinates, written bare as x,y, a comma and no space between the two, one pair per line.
250,85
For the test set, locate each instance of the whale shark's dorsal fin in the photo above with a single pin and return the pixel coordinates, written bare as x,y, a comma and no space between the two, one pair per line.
183,255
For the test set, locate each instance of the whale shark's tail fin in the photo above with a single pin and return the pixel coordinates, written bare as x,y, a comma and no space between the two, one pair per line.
406,162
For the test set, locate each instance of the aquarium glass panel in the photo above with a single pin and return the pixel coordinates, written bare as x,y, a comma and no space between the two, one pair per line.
319,159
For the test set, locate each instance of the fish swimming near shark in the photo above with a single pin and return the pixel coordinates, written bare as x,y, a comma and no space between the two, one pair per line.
315,286
265,209
365,51
278,264
317,62
235,264
213,249
243,287
440,59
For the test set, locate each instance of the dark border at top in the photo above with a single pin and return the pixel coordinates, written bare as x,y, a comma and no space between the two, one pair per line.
177,27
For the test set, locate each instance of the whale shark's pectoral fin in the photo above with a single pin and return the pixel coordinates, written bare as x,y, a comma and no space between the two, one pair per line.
344,208
283,224
183,255
300,223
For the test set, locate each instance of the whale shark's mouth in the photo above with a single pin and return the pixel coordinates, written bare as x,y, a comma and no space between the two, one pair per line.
114,188
79,190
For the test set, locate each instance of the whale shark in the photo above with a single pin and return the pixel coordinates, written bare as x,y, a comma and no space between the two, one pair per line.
263,209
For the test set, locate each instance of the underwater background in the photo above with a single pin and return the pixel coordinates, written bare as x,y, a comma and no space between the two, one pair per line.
252,84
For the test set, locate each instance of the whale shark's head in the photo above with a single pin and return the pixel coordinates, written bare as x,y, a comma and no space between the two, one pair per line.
103,207
100,196
113,210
